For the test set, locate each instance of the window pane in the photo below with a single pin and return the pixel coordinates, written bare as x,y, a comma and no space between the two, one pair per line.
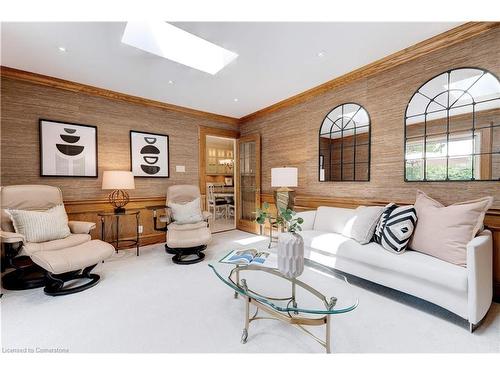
362,135
335,172
460,168
348,172
362,171
435,169
460,144
348,140
487,167
435,147
487,114
495,167
461,119
348,153
415,149
415,170
362,154
415,126
436,123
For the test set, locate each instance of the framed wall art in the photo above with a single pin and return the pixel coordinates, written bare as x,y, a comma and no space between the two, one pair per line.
67,149
149,154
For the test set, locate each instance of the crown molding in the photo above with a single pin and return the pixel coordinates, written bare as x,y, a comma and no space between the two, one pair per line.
40,79
446,39
440,41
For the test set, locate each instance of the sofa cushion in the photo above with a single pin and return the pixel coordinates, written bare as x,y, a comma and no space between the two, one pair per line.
444,232
70,241
73,258
411,263
332,219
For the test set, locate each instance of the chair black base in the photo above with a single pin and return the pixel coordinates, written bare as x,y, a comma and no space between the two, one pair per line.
54,284
180,254
28,277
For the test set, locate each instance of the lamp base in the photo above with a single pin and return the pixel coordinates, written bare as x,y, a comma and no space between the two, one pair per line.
284,198
118,199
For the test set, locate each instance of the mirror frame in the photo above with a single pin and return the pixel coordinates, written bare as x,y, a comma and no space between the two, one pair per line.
447,134
369,126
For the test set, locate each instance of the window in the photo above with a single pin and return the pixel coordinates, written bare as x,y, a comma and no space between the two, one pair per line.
452,128
344,144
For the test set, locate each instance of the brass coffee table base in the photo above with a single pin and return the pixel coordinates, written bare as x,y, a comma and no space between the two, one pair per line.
296,322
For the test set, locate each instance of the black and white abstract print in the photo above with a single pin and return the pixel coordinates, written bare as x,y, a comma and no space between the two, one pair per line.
68,149
149,154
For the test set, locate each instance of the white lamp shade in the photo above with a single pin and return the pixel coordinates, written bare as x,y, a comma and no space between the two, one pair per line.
284,177
118,180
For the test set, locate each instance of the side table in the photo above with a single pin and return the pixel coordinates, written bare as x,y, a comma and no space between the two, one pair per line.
117,241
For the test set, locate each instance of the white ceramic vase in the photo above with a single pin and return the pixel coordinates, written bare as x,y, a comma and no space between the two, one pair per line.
290,254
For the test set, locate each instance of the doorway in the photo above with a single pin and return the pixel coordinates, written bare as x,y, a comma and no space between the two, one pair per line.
217,177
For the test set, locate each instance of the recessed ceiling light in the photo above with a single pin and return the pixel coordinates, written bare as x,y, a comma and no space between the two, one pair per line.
165,40
235,99
62,49
170,82
321,54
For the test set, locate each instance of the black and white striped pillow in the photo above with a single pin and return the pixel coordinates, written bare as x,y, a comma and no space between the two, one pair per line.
395,227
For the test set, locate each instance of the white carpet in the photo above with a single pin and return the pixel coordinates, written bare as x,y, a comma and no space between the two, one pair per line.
149,304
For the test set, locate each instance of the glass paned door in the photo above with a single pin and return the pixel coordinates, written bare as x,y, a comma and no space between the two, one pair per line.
248,182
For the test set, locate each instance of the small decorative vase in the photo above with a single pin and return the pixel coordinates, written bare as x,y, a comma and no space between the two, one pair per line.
290,254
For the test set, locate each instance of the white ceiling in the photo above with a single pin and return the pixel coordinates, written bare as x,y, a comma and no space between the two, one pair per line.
276,60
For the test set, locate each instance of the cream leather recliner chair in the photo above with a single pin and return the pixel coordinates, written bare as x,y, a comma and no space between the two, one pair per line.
185,241
50,263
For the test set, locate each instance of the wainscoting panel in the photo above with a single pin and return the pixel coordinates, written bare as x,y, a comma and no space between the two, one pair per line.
86,210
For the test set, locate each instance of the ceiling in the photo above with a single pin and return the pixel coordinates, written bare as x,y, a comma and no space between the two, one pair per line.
276,60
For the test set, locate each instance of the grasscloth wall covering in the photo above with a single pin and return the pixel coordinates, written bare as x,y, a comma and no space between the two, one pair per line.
23,103
290,135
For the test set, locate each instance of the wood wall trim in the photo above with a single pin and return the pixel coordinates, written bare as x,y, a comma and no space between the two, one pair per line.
40,79
202,133
443,40
312,202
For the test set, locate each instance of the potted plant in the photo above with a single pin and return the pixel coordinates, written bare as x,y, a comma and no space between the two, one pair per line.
290,243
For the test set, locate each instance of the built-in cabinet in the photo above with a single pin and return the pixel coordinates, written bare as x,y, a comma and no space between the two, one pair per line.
219,161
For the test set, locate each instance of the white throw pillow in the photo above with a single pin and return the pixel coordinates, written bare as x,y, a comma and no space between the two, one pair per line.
41,226
187,213
362,225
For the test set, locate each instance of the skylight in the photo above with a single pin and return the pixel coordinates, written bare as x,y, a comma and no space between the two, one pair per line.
165,40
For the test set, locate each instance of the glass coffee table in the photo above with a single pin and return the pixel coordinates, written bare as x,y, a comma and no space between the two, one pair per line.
309,300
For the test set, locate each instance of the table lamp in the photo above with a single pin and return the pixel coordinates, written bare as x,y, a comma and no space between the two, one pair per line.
284,178
118,181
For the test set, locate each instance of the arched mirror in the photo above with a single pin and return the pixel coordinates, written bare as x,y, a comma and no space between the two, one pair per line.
452,128
344,144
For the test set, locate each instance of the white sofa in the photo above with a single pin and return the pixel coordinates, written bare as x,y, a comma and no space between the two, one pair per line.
466,292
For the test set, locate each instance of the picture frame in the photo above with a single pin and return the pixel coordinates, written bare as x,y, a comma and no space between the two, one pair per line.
149,154
67,149
228,181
